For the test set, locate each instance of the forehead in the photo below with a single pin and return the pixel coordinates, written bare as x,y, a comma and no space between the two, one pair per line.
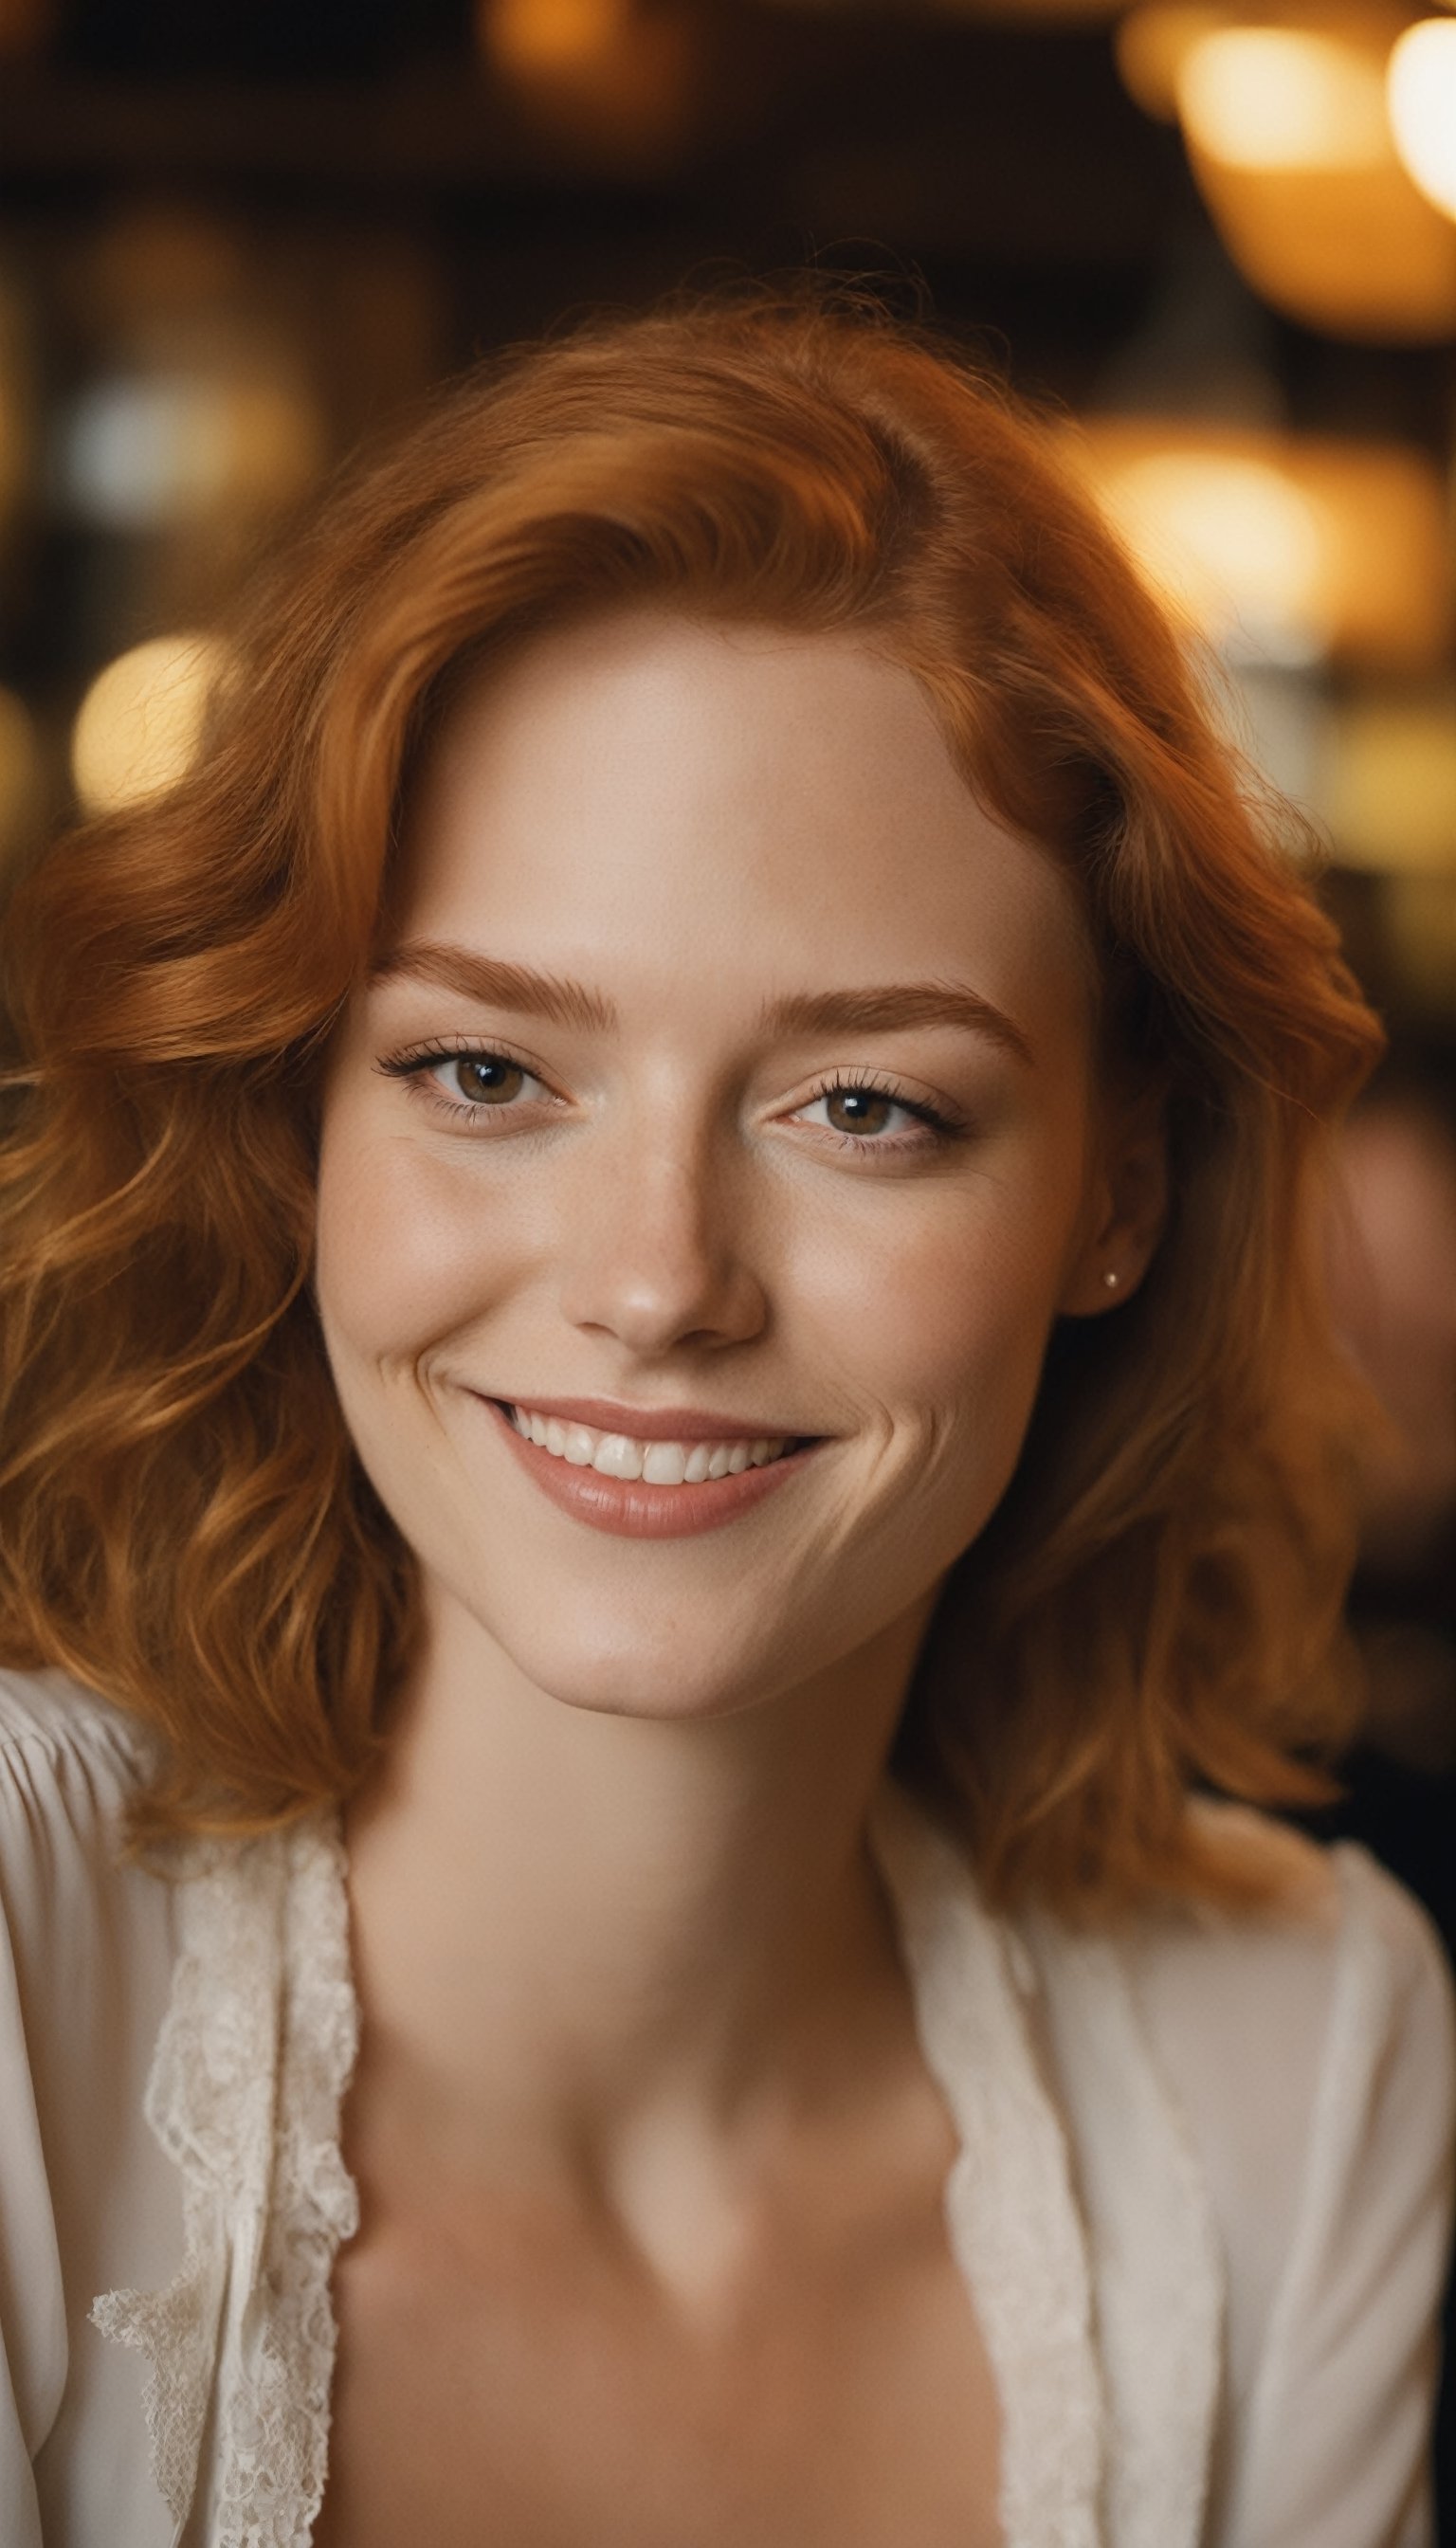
649,790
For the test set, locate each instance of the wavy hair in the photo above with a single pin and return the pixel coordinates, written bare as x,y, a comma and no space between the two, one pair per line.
183,1524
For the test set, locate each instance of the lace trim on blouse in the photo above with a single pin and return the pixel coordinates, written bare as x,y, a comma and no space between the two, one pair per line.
1158,2266
244,2096
1010,2212
1104,2343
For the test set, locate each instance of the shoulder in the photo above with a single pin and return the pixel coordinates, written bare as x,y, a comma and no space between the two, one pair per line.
69,1764
53,1729
1326,1955
87,2199
1334,1964
1292,2028
1291,2066
1310,2049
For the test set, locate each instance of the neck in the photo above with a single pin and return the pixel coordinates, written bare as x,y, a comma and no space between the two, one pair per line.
571,1926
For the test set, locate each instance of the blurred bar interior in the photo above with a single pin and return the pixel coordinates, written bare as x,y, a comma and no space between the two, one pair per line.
1219,236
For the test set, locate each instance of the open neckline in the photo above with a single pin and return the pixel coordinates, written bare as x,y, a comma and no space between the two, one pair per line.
1099,2441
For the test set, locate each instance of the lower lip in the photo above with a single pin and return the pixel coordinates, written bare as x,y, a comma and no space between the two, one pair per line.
631,1509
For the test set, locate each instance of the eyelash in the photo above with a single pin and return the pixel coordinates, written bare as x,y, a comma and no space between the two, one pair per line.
940,1125
944,1128
420,1059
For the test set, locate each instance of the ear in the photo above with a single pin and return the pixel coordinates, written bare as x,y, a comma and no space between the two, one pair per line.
1126,1209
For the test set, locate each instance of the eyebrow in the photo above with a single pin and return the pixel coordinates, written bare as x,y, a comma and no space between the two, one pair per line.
876,1010
497,985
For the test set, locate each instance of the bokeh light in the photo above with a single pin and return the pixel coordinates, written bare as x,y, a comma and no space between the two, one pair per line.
1422,108
1236,542
534,36
1283,97
143,450
611,82
1391,786
1284,549
138,724
1289,132
1151,45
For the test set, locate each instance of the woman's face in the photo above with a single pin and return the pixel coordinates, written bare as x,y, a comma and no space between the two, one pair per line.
727,1087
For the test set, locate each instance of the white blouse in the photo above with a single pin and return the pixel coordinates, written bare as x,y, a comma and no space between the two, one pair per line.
1202,2196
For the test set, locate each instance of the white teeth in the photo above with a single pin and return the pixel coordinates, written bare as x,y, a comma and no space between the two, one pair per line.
617,1456
657,1464
665,1464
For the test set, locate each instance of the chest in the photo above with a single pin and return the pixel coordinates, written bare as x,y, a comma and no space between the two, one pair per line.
545,2395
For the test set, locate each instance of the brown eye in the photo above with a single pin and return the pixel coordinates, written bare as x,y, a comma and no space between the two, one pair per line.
483,1078
858,1110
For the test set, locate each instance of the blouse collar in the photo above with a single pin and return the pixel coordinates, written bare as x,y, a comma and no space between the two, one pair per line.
1095,2276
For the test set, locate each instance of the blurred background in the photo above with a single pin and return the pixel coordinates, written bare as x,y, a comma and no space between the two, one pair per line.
1218,237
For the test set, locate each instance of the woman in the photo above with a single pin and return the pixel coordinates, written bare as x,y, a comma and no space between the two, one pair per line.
661,1296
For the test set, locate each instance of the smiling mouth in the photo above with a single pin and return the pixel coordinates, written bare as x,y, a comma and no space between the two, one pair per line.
655,1463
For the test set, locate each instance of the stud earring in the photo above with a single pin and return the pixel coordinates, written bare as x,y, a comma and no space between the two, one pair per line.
1112,1280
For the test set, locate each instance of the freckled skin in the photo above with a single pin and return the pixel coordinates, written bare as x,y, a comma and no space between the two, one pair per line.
652,2168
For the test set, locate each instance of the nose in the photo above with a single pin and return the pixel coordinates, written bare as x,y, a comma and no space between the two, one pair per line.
660,1252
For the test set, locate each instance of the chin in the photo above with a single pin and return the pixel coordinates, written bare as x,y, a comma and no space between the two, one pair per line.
662,1706
664,1660
660,1681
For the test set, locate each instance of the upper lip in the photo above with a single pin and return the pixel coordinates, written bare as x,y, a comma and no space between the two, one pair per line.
655,1423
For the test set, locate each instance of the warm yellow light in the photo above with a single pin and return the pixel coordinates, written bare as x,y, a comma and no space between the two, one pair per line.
1288,127
1283,97
138,724
613,82
532,38
1282,547
1421,91
1391,799
1238,544
1289,137
1153,43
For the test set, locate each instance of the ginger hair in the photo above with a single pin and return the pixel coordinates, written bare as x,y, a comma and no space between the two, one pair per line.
183,1524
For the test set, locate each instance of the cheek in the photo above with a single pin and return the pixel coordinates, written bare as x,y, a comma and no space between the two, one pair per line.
947,1307
404,1256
